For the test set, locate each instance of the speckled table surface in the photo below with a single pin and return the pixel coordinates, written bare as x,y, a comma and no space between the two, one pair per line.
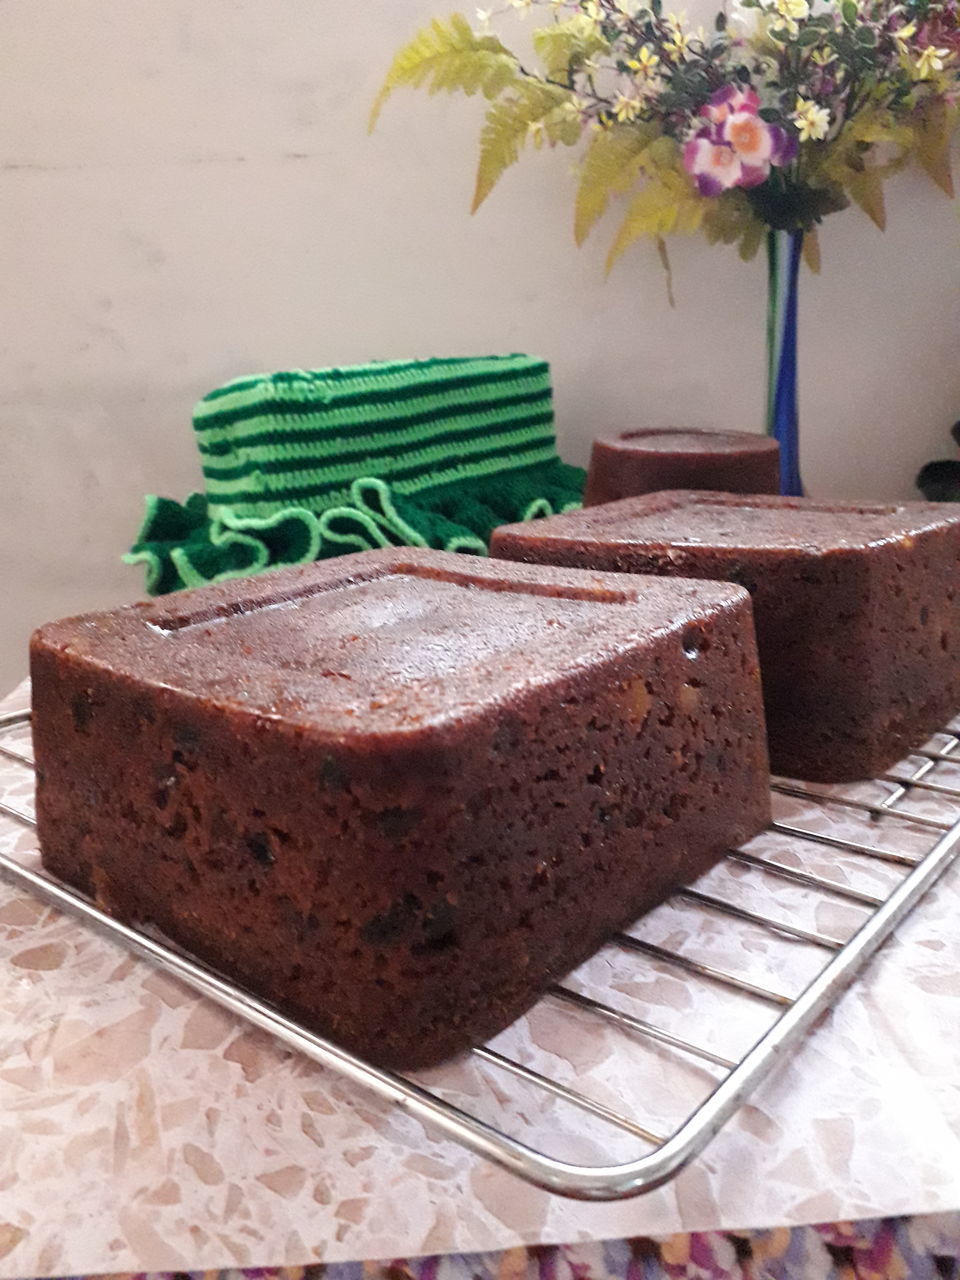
142,1129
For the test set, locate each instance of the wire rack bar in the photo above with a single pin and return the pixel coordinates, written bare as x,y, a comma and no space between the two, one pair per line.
629,943
806,878
936,788
844,845
865,806
713,903
18,815
16,756
901,791
739,1078
579,1100
631,1023
942,757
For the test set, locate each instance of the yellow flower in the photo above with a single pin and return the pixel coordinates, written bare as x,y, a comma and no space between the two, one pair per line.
626,109
644,62
793,9
822,57
537,133
931,59
677,45
906,33
592,10
813,122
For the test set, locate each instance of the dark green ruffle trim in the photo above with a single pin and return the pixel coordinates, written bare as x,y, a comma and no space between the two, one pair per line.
184,546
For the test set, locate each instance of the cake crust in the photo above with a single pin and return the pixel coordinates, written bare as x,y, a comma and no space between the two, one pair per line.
647,461
856,607
399,793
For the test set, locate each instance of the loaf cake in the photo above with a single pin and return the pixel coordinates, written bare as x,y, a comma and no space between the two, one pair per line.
637,462
856,608
399,793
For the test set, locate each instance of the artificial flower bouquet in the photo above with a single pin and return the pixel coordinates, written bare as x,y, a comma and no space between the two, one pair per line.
782,113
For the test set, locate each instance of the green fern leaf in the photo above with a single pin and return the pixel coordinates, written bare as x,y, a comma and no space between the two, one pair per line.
448,56
565,46
508,126
729,219
866,189
933,127
612,164
667,203
751,240
811,250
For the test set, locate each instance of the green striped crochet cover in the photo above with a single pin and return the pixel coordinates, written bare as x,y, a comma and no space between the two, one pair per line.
304,436
304,464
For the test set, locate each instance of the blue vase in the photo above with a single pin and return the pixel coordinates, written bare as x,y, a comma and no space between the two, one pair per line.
783,262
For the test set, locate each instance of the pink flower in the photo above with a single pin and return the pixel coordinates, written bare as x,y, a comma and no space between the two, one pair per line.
728,100
750,138
715,165
737,147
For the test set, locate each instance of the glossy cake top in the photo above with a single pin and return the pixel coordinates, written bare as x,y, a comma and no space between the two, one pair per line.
736,522
385,641
669,440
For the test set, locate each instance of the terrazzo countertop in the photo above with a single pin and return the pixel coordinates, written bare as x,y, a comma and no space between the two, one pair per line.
143,1129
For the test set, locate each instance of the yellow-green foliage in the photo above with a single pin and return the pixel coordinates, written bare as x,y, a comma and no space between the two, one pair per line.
448,56
667,203
732,221
530,109
566,46
629,157
933,128
927,135
611,166
846,162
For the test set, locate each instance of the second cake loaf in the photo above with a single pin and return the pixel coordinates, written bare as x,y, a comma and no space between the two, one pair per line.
400,793
857,607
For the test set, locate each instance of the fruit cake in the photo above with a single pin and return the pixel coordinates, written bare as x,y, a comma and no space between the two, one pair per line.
636,462
399,793
856,607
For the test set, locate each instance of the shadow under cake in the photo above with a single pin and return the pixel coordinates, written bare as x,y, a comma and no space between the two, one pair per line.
399,793
856,607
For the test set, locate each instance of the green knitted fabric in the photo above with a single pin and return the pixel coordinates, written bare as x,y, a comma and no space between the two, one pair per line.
301,438
301,465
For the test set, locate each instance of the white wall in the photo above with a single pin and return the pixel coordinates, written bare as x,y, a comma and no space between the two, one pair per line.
187,193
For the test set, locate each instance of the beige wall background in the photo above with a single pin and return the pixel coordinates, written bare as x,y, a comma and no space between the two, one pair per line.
188,193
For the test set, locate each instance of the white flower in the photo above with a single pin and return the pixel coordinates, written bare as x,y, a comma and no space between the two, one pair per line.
795,9
813,122
931,59
745,20
626,108
483,18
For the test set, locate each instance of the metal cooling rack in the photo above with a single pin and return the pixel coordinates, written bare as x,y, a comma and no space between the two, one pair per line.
734,1081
